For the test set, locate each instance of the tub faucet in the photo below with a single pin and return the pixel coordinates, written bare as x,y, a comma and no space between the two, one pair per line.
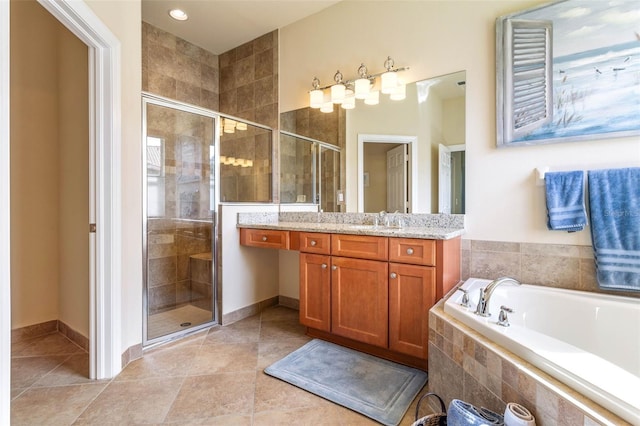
485,295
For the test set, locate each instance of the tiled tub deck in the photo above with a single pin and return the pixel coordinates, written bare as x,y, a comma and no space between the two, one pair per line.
465,365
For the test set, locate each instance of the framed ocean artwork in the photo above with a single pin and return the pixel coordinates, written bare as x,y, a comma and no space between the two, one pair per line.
568,71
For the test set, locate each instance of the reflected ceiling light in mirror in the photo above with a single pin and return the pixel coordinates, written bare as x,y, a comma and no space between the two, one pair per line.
230,126
360,88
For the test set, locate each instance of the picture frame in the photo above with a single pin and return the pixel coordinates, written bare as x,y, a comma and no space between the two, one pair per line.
568,71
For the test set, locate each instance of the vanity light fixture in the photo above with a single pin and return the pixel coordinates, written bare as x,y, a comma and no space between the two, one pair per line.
236,162
345,92
178,14
230,126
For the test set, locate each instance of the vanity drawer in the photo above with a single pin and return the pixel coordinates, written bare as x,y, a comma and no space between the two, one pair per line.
314,242
264,238
412,250
360,246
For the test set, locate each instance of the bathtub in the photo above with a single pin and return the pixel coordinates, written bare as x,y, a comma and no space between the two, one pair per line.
588,341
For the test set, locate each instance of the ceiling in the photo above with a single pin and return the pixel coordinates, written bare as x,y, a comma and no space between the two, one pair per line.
221,25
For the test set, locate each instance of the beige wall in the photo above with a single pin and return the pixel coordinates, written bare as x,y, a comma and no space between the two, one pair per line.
49,164
35,198
436,38
123,19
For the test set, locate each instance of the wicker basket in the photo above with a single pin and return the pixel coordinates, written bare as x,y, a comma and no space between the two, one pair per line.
436,419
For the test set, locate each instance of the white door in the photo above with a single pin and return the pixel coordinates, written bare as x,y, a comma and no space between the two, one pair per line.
444,179
397,179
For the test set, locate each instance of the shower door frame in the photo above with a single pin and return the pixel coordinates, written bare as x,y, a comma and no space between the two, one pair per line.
149,98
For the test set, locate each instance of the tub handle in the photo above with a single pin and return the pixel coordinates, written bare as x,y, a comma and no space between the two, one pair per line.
503,318
465,298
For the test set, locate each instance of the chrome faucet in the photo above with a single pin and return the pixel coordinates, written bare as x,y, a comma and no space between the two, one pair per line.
485,295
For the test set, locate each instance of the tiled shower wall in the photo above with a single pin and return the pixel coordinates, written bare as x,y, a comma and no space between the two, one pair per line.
249,90
177,69
177,275
553,265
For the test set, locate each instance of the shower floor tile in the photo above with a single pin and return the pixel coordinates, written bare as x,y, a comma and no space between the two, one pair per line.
169,321
212,377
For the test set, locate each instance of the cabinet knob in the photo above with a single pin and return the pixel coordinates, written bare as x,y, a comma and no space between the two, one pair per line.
409,251
264,238
334,267
323,266
313,243
393,275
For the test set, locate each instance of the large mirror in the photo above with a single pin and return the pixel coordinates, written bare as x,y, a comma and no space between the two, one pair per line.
404,155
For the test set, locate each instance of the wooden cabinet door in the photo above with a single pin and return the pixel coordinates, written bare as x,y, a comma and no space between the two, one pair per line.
359,300
315,291
412,291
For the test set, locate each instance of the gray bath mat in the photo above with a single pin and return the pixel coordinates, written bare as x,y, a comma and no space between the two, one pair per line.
377,388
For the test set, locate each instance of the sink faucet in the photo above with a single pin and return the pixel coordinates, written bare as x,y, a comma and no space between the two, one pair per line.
485,295
382,219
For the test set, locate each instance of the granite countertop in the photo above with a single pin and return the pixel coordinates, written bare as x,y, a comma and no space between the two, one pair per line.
432,227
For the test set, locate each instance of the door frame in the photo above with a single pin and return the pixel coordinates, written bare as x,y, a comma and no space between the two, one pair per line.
5,224
412,141
104,182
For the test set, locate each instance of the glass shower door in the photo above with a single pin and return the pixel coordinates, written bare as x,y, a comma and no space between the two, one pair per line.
180,290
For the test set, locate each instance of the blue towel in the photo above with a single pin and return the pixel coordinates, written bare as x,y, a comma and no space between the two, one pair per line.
461,413
565,201
614,204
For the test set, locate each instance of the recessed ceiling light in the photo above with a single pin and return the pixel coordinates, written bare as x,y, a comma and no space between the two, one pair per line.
178,15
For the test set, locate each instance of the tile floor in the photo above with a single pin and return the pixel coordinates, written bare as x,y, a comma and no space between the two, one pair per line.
212,378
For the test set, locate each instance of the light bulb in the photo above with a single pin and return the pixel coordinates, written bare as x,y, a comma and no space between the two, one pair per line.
349,102
178,15
373,98
400,92
338,92
362,87
389,81
327,107
316,98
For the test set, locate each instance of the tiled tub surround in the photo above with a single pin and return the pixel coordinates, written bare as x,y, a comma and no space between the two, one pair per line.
551,265
575,336
465,365
426,226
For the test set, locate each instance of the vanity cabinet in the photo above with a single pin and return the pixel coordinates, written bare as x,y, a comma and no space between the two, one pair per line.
370,293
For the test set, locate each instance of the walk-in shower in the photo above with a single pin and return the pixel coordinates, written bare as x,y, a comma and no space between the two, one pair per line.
194,159
180,211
